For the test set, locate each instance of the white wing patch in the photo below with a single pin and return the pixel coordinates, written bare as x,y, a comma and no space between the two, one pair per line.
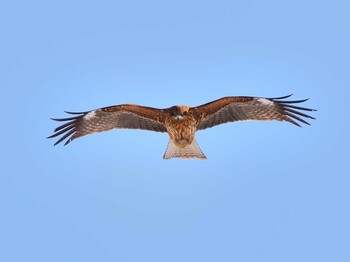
265,101
90,115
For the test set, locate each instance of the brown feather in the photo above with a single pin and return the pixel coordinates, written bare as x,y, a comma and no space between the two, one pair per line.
108,118
231,109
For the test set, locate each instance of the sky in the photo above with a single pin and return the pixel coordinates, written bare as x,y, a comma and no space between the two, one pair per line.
269,191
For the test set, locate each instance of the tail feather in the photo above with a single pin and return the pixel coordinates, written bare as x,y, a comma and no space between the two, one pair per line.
191,151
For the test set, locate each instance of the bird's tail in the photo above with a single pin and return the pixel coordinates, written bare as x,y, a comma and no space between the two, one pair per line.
190,151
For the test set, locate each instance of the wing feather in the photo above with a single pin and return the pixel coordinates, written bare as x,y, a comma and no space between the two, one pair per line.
242,108
108,118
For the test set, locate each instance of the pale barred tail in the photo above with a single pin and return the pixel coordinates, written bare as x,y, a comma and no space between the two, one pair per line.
190,151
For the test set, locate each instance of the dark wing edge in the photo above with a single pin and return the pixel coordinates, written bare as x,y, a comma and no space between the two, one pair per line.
292,112
69,128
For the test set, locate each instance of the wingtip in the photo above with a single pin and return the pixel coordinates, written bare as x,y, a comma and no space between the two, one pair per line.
74,113
280,97
67,142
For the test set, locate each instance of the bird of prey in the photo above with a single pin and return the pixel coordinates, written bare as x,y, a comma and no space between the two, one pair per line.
181,122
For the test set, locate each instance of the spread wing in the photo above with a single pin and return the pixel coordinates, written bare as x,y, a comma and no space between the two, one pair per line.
108,118
241,108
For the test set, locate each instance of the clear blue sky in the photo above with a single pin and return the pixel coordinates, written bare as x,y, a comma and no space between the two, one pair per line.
269,191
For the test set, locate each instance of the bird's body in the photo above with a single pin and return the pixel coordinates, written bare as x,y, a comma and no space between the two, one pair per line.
181,126
181,122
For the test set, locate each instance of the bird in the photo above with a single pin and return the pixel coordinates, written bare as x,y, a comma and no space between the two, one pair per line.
181,122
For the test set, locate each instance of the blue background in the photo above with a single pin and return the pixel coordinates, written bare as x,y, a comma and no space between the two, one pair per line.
269,191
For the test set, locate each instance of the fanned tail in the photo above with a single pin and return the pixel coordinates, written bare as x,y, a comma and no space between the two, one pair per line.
190,151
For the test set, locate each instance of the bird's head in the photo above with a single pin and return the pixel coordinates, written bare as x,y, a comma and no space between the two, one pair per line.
179,112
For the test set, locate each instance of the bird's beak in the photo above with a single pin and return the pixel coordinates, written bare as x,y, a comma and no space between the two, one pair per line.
178,117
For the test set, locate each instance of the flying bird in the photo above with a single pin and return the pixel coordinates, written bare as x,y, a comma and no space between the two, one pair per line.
181,122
